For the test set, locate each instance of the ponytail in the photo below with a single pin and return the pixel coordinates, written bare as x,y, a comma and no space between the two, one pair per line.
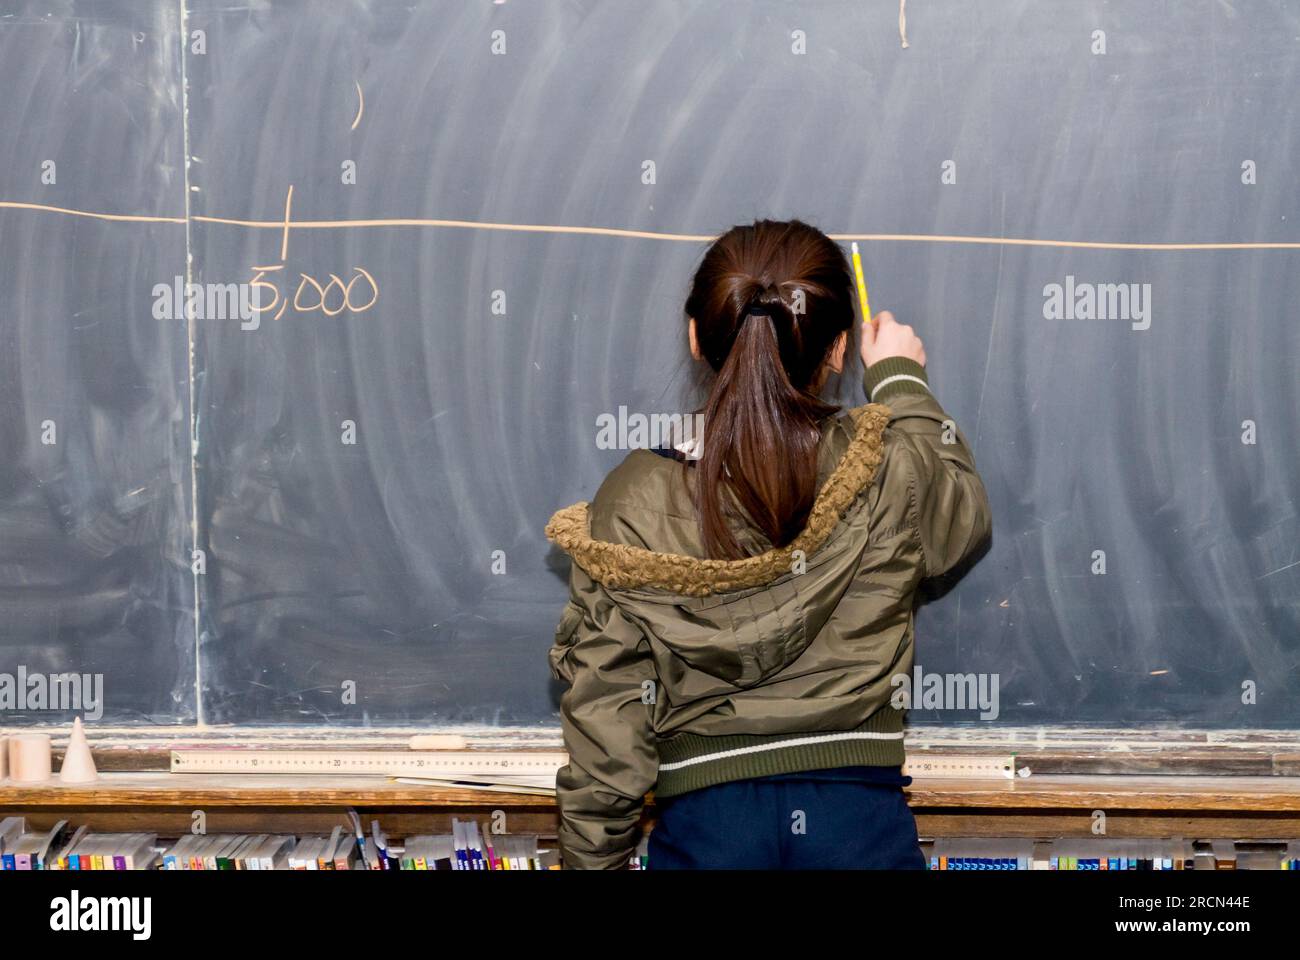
762,415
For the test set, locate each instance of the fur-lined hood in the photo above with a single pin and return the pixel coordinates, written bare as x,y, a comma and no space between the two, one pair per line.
625,566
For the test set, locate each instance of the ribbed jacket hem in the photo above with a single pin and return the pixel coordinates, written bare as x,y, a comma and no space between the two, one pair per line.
690,761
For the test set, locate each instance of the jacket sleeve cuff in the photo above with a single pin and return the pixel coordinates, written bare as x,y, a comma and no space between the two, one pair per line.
892,376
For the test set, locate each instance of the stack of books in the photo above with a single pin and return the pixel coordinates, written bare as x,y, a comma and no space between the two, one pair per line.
225,851
467,847
54,849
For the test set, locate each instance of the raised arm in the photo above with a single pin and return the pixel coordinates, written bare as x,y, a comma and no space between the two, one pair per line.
950,505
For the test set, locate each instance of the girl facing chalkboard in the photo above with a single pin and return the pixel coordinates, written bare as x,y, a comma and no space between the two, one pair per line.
740,601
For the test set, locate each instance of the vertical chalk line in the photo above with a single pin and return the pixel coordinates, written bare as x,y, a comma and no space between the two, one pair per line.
189,337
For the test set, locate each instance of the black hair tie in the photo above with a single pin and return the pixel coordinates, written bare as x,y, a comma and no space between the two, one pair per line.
765,303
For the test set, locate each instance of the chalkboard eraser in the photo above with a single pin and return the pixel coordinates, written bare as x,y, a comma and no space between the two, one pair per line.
437,741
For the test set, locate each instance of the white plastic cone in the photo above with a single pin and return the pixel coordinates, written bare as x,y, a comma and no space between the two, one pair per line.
78,764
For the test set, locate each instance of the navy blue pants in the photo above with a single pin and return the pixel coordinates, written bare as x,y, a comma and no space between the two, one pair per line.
818,820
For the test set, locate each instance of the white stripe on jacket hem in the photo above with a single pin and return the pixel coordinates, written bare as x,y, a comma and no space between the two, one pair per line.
759,748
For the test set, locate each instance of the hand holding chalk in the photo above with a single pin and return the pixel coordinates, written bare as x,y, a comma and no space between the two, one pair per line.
885,337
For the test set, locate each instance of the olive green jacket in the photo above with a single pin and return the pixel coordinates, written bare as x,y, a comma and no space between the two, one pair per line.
685,672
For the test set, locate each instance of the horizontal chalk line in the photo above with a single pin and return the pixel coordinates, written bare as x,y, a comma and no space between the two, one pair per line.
45,208
640,234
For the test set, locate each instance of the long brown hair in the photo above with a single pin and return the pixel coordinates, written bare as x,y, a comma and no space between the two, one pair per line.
769,301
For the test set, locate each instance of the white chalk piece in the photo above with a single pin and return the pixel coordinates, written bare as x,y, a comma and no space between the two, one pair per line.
437,741
78,762
29,757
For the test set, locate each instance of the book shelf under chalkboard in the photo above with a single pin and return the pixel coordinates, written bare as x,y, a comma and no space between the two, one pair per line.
1038,806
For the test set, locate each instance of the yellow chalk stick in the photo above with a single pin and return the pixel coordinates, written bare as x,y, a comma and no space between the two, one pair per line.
862,284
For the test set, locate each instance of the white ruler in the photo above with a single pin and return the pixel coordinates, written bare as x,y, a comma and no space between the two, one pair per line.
503,764
926,766
439,764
